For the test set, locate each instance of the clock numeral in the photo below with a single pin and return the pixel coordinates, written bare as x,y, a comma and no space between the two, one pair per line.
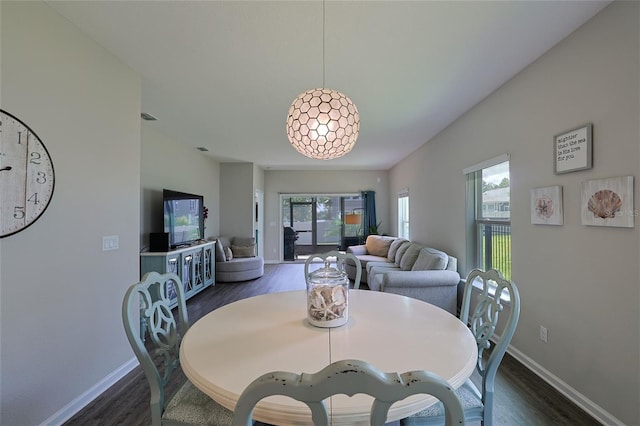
34,198
18,212
42,177
20,138
35,158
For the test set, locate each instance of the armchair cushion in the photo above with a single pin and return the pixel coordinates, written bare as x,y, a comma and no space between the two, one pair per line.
243,251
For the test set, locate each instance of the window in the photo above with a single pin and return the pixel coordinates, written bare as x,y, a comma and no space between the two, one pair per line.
489,216
403,214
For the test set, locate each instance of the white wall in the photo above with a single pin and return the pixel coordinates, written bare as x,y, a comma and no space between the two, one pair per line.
60,294
169,164
237,199
309,182
581,282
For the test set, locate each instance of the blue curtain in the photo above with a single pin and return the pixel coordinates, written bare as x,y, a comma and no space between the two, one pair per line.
370,222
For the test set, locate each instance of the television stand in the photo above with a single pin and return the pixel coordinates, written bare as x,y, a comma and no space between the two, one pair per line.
193,263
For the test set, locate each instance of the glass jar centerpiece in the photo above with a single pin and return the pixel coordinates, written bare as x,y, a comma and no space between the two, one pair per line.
327,297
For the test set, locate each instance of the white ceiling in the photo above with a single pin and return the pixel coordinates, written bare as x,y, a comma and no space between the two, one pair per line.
222,74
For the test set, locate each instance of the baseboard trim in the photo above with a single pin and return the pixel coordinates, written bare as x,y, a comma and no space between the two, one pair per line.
593,409
74,407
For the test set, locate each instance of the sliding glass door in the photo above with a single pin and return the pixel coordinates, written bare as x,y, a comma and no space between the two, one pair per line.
317,221
303,223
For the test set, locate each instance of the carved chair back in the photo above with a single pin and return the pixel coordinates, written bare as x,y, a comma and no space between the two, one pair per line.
348,377
152,298
495,293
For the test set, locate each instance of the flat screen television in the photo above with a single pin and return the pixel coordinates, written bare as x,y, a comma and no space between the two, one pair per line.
183,217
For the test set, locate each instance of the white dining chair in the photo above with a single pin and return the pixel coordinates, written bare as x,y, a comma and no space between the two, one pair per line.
340,259
348,377
495,292
152,298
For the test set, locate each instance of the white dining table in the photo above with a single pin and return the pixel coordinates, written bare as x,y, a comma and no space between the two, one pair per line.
231,346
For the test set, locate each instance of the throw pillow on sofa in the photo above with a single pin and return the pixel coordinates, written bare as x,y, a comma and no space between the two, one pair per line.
228,254
378,245
430,259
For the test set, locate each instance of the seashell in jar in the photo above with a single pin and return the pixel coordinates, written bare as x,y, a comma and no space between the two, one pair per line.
604,204
339,295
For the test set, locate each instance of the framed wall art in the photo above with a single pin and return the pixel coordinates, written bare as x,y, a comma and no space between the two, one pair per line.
546,206
573,150
608,202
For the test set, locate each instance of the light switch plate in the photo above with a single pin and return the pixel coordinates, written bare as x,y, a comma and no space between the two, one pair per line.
110,242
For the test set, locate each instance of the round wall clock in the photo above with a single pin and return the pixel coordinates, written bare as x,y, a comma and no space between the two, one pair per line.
26,175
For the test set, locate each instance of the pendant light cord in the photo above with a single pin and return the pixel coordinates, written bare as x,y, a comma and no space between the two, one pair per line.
323,37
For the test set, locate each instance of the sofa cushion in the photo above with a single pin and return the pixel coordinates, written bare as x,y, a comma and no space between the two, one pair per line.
429,259
410,256
403,247
379,269
393,248
220,257
378,245
243,251
376,263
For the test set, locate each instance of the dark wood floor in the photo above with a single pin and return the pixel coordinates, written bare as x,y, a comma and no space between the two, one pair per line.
521,397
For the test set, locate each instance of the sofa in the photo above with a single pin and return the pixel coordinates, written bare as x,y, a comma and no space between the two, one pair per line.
399,266
236,259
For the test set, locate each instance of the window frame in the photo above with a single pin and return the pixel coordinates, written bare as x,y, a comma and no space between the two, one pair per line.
403,214
475,221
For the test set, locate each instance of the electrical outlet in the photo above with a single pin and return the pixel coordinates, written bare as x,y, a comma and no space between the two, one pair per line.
543,334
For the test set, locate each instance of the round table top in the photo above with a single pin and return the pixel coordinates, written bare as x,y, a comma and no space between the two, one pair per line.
231,346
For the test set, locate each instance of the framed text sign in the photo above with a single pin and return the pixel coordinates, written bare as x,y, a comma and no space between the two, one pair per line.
572,150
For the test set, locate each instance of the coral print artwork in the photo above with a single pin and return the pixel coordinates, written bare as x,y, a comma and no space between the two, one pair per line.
546,206
608,202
